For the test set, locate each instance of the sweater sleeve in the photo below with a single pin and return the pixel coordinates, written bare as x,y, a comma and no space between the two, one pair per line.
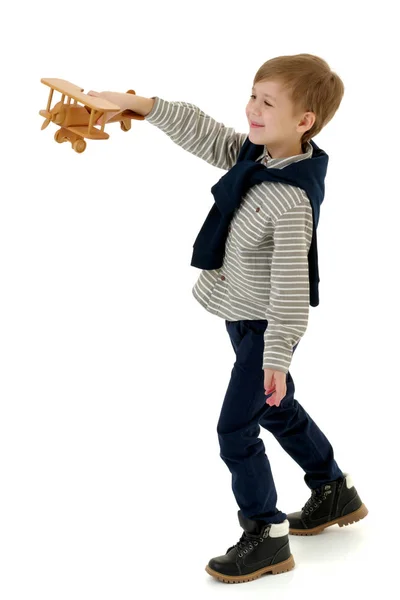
198,133
288,308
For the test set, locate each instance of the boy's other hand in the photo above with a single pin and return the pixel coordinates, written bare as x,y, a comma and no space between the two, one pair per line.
275,382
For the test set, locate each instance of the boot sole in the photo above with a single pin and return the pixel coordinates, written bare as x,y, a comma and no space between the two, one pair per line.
352,517
282,567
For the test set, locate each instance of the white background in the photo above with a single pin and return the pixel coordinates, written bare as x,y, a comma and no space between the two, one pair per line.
112,376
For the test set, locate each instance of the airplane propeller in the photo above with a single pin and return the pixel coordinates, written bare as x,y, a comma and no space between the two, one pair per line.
47,119
56,114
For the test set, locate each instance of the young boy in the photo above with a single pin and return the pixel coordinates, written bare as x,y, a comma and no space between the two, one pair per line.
262,285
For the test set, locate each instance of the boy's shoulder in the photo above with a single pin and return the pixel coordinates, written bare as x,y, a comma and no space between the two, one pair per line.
278,198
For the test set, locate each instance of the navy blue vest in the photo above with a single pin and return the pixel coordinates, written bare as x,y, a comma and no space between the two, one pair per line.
308,174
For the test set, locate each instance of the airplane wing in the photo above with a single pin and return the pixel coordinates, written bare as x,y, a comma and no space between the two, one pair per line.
75,92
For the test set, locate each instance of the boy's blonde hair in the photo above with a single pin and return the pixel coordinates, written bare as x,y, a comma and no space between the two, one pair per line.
311,86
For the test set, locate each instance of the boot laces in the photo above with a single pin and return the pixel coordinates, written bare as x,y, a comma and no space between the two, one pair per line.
247,542
317,497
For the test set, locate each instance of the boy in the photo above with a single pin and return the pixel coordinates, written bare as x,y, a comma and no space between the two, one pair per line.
262,284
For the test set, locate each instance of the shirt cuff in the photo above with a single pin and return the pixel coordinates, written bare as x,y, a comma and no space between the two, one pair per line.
156,110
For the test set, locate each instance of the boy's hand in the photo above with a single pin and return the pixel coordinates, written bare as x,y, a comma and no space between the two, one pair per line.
124,101
274,380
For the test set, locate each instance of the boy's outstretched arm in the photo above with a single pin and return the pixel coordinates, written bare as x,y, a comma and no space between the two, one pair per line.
186,124
198,133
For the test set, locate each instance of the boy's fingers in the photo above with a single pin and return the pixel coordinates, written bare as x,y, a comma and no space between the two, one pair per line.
109,116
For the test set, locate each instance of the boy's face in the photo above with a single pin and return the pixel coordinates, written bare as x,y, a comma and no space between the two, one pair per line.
280,130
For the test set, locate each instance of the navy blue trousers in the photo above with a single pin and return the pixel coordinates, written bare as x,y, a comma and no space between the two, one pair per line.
243,411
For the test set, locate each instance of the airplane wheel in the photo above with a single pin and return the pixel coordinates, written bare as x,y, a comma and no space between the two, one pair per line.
79,145
59,137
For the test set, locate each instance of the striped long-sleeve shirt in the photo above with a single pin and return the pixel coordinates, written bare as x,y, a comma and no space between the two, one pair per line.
264,274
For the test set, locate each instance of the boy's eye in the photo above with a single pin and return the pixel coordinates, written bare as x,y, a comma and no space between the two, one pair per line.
265,102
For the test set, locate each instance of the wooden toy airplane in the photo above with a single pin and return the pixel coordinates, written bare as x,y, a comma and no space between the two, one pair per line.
78,121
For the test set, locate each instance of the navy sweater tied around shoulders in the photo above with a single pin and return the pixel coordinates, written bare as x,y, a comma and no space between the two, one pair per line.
308,174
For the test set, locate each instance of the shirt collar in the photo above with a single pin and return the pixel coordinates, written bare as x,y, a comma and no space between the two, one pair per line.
268,161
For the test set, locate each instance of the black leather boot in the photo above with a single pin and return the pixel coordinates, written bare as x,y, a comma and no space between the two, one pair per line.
335,502
263,548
